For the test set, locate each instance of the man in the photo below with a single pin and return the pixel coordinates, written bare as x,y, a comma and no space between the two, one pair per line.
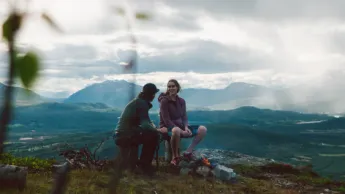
135,127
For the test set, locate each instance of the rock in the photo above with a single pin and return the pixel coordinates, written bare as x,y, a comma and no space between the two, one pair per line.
193,164
203,171
212,173
225,157
327,190
185,171
13,176
184,164
213,163
224,173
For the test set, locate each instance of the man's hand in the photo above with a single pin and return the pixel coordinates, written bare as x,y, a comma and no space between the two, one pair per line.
163,130
153,124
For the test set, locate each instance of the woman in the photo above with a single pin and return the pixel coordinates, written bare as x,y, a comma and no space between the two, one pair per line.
173,117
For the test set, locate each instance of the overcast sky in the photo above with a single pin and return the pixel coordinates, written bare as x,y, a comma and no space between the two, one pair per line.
269,42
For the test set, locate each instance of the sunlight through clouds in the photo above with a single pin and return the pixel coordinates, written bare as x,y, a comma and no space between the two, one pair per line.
205,45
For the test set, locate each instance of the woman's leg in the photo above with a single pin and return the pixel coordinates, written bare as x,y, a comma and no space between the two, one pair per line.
175,141
201,132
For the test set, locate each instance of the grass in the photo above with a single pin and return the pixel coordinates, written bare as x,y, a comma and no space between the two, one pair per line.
86,181
251,179
341,189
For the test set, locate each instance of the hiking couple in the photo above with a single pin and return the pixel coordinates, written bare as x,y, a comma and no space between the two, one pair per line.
135,124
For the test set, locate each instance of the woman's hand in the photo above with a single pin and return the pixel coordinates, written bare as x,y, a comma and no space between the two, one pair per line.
187,131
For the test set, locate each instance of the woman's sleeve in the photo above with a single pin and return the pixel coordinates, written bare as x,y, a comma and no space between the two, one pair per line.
164,111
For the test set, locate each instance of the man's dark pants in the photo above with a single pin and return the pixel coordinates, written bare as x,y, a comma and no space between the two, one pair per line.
149,140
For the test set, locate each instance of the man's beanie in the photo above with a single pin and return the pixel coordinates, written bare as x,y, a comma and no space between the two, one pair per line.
150,88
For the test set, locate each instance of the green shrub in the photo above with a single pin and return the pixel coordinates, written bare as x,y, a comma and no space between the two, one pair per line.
33,164
341,189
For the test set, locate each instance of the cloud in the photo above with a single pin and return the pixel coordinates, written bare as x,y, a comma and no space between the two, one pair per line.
199,80
71,52
273,43
204,57
279,10
81,70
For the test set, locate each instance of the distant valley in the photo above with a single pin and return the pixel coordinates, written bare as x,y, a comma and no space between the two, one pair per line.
285,132
38,130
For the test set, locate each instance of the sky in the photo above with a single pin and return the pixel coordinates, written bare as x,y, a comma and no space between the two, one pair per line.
202,43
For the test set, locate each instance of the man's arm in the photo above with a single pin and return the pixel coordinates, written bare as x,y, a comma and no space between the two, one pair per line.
143,113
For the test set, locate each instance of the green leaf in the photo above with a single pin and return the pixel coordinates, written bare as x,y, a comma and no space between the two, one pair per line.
142,16
11,26
28,67
51,22
6,32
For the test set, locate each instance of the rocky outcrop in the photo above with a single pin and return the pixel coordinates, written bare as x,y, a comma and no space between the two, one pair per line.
227,158
214,163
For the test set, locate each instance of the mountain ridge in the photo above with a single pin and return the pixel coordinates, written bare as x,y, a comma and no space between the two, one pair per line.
115,94
22,96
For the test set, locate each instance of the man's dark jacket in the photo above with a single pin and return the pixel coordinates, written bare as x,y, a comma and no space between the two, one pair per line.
135,119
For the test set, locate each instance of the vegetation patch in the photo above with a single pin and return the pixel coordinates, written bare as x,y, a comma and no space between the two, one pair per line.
32,163
270,178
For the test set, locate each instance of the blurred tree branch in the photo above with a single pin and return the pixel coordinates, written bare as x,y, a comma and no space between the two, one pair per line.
22,65
9,32
131,66
26,67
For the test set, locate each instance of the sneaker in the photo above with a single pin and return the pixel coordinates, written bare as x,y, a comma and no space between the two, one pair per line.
175,161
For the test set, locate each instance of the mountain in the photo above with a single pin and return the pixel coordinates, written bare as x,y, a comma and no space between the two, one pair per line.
234,96
111,93
54,95
237,94
115,94
22,96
